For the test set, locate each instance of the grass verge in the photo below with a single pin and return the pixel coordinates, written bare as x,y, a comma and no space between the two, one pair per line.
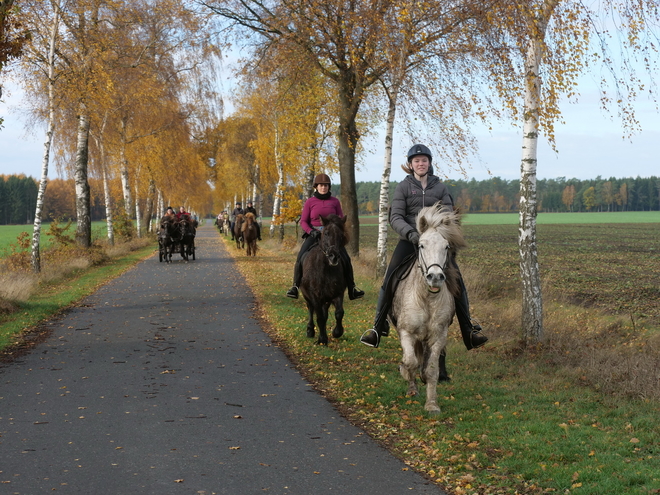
513,421
17,328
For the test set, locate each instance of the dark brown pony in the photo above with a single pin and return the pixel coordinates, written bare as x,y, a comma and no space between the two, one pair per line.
323,282
249,230
166,233
238,234
188,229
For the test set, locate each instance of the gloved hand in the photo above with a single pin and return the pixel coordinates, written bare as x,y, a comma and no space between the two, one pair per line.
413,236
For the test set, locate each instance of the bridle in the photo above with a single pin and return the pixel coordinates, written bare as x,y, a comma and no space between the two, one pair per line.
323,250
424,268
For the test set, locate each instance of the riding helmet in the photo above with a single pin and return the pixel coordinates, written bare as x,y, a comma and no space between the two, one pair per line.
321,179
419,149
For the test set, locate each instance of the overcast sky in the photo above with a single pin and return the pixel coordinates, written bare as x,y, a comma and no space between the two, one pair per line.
590,144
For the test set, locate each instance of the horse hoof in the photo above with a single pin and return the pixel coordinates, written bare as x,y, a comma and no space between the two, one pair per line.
319,342
337,332
311,333
433,410
444,378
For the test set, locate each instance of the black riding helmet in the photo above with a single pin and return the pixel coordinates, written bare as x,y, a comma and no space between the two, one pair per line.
420,149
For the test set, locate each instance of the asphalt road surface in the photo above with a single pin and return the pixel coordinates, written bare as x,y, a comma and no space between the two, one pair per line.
162,382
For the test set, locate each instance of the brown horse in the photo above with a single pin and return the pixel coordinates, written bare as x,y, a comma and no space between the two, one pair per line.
166,234
249,230
323,282
238,233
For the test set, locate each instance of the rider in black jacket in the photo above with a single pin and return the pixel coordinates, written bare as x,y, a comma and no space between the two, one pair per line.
419,189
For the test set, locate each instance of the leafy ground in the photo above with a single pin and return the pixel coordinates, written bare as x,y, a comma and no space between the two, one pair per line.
561,418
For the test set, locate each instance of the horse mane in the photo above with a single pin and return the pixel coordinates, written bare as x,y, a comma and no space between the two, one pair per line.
448,223
339,221
249,220
445,220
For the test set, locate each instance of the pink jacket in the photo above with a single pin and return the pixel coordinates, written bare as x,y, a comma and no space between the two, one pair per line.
314,208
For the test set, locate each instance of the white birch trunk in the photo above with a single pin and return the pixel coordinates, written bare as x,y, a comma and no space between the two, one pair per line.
532,303
83,219
384,199
149,207
279,191
36,234
108,207
123,173
138,218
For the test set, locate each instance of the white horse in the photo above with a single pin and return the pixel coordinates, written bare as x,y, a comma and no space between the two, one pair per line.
423,304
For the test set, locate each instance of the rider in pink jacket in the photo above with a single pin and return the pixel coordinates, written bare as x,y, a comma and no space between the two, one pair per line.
322,203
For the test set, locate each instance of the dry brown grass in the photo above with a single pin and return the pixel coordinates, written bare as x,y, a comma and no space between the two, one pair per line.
18,283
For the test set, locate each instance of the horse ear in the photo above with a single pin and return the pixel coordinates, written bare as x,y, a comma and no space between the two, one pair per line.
324,220
423,225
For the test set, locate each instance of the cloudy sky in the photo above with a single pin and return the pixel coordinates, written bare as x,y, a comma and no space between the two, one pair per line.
590,144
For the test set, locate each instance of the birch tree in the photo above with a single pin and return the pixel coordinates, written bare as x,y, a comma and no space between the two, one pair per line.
557,40
50,127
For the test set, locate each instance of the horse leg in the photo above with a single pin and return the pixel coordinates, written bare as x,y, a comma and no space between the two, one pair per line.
338,330
442,363
409,362
310,320
432,372
322,321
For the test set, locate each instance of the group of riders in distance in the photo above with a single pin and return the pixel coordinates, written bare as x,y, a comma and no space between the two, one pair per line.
242,225
422,289
176,234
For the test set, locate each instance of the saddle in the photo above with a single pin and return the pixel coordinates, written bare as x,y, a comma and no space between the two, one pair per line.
400,273
306,253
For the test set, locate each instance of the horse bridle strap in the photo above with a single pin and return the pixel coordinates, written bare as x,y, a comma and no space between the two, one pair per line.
425,268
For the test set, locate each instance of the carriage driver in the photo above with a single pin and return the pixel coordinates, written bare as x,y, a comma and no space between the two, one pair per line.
235,212
420,188
321,203
182,212
169,212
250,209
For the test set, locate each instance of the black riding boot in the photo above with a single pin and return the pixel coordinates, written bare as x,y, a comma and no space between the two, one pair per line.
381,326
297,278
256,224
472,336
353,292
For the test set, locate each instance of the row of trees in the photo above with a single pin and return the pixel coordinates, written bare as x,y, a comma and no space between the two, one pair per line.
18,199
554,195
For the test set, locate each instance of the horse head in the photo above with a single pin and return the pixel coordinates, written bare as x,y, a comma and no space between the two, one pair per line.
166,227
333,237
440,238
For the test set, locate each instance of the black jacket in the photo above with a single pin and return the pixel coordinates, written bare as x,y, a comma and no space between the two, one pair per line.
409,198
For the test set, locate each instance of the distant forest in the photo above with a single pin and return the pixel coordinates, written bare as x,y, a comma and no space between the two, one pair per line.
554,195
18,196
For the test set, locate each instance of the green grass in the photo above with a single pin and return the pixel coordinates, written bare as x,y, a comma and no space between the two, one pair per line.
52,299
550,218
9,233
512,422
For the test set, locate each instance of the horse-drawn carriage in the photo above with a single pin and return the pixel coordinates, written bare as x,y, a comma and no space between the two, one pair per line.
176,235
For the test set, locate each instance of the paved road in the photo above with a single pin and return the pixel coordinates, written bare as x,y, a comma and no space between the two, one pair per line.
161,383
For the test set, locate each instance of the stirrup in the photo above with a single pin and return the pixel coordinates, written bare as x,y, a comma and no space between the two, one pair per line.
355,293
477,339
370,338
292,292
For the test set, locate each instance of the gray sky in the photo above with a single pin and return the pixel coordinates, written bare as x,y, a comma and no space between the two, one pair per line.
590,144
